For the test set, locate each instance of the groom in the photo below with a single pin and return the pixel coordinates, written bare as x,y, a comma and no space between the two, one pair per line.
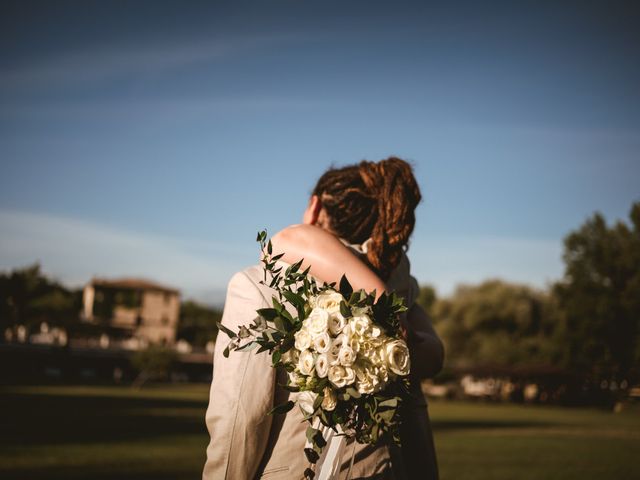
245,441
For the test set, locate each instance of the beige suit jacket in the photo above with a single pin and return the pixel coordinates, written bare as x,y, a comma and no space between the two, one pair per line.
245,442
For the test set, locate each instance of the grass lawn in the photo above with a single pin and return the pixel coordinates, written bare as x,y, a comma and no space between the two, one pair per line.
159,433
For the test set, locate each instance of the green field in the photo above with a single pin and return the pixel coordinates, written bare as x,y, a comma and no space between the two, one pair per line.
159,433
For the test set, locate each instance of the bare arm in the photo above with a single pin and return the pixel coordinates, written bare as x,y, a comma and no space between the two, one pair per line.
328,256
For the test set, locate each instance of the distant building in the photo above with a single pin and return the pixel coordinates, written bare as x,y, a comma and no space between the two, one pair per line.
133,307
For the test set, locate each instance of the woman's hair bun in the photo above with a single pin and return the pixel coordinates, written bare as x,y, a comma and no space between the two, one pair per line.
373,200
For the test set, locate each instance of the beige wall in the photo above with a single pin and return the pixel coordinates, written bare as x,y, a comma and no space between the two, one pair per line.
160,312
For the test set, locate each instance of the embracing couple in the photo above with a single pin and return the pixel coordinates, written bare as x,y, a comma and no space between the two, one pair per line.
358,222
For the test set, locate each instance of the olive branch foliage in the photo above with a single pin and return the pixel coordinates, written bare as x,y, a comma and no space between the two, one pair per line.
370,418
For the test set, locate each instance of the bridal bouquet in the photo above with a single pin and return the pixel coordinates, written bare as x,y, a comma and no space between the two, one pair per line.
342,350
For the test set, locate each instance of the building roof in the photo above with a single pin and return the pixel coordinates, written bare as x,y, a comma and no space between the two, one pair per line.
132,283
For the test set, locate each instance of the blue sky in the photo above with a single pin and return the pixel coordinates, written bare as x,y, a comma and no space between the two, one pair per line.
155,138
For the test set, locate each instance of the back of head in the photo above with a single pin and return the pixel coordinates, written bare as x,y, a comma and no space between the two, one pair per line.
373,200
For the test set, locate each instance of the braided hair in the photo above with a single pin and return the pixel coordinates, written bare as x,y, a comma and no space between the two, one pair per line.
373,200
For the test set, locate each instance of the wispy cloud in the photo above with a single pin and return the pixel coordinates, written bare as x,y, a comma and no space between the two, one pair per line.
100,63
75,250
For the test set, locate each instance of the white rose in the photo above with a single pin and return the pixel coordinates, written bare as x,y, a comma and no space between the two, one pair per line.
306,362
360,324
382,373
329,301
294,378
364,385
330,400
346,356
347,331
303,339
397,357
336,323
337,375
349,375
322,342
375,331
305,401
322,365
336,345
318,321
354,343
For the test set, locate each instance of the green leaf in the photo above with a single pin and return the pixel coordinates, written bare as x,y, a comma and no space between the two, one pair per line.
345,310
294,299
390,403
290,388
229,333
345,287
311,455
282,408
353,392
247,347
311,433
225,352
318,439
275,357
317,402
244,332
267,313
276,304
279,322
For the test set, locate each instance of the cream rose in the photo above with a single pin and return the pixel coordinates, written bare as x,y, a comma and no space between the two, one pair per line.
336,344
303,339
360,324
322,365
330,400
305,401
349,375
397,357
375,331
322,342
329,301
318,321
336,323
346,356
294,378
354,343
365,385
337,375
306,362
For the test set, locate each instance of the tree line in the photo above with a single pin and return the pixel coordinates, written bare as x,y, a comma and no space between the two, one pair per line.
587,323
29,297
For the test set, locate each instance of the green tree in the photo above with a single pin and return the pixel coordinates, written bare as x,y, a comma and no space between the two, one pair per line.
427,298
28,297
599,297
197,323
496,323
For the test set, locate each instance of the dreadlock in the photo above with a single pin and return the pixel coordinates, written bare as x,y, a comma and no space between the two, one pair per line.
373,200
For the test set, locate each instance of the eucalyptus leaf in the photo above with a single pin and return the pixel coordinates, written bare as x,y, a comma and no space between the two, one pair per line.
282,408
229,333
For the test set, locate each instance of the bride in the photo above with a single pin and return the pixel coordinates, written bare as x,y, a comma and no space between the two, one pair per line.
358,222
